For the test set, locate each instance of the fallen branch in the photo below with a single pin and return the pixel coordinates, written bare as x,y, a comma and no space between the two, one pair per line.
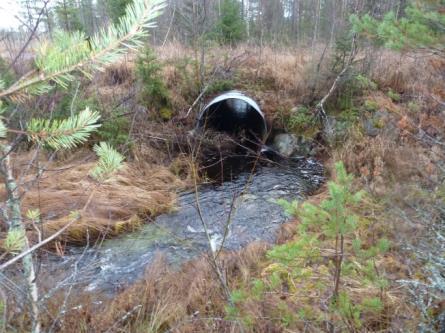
196,101
319,109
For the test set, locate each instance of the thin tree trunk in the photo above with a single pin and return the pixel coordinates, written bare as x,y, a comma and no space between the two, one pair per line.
317,23
338,264
300,32
15,223
247,19
334,24
294,20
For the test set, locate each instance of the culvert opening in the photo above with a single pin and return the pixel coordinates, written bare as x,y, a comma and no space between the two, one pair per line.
236,114
234,129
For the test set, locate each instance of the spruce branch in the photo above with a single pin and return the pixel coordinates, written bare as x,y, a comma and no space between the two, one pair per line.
66,133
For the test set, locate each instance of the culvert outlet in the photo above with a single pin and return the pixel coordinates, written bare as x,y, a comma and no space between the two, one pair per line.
234,113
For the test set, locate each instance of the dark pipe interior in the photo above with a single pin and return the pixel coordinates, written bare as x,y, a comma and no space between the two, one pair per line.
234,116
240,117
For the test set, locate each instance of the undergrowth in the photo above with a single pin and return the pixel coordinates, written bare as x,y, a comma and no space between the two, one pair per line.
313,280
153,93
328,274
115,131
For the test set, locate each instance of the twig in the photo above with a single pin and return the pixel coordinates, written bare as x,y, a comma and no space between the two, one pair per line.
5,310
16,223
31,36
170,25
437,100
125,317
320,110
197,100
37,246
74,99
213,257
47,240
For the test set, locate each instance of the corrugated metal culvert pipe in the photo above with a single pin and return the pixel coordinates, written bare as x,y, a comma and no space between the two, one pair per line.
234,113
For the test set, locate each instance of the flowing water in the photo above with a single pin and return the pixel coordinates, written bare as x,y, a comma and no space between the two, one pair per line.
236,213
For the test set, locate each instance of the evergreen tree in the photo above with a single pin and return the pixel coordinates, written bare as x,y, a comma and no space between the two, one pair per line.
116,8
153,93
329,251
88,16
68,15
230,27
422,27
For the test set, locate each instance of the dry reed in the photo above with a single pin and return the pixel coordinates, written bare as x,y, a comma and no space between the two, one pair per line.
136,192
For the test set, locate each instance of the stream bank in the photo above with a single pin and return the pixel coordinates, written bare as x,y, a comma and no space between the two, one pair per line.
236,213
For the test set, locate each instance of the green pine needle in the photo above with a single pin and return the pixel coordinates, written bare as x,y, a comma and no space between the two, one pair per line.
73,50
15,240
68,53
109,161
66,133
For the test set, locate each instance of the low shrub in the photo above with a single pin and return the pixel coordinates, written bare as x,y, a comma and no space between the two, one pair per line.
329,272
299,120
220,86
154,92
115,131
395,97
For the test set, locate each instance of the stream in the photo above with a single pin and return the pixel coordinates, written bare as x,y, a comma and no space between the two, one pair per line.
246,201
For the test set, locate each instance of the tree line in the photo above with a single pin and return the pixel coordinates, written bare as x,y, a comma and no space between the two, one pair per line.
293,22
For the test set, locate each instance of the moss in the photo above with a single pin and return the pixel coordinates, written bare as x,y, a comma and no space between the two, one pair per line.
413,107
350,115
395,97
365,83
371,105
298,120
378,123
166,113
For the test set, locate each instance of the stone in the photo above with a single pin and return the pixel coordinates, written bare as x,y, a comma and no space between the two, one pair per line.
286,144
370,129
378,123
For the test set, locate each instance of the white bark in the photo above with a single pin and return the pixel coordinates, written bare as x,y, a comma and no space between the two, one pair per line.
16,223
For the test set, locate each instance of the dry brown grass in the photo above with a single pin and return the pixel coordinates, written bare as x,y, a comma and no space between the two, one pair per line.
119,73
382,162
277,79
413,74
285,70
400,153
189,300
121,203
